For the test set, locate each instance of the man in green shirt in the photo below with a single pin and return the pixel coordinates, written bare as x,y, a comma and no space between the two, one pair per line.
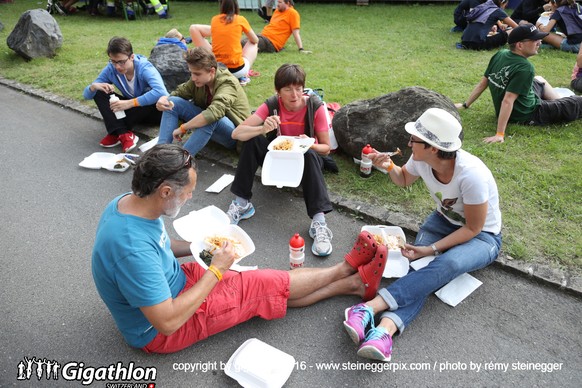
518,95
210,105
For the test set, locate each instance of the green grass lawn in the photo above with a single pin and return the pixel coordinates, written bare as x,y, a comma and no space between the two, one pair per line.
360,53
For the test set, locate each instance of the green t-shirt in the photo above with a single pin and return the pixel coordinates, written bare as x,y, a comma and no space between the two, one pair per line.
509,72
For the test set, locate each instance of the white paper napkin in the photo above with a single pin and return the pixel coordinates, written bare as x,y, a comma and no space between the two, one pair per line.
146,146
220,184
458,289
422,262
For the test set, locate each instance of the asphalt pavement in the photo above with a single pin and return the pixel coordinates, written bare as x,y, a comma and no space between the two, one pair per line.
513,330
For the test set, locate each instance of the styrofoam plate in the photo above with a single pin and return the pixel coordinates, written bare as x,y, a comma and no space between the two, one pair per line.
234,232
396,265
282,168
106,160
300,144
257,364
195,223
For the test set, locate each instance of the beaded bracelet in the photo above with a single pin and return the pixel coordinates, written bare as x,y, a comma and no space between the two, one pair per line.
182,129
391,166
500,134
216,272
135,103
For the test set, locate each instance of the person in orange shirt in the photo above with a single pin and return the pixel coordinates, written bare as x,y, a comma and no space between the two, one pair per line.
225,31
284,23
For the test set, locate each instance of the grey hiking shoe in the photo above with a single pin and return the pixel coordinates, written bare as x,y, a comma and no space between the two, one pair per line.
237,212
321,236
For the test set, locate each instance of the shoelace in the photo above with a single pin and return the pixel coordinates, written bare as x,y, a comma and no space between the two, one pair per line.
321,231
379,333
235,211
368,316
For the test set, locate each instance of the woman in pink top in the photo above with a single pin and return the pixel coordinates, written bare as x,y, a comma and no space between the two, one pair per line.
293,114
225,31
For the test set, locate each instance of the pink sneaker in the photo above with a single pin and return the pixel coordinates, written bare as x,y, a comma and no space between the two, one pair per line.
358,318
378,345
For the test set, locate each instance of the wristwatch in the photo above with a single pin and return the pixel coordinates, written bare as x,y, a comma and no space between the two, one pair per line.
435,250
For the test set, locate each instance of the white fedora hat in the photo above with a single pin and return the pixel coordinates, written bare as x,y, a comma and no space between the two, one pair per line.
438,128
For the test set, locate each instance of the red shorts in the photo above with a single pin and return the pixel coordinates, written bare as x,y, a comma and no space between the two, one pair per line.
237,298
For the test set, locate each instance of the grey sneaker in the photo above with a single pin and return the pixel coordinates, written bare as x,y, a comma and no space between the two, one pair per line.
237,212
321,236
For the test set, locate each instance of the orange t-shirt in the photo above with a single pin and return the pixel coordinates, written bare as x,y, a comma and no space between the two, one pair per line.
226,39
281,27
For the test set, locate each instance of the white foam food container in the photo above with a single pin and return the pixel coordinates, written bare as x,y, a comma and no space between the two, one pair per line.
107,160
256,364
300,144
282,169
207,222
396,265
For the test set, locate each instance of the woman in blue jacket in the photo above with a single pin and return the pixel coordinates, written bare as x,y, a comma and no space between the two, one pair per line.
484,32
140,86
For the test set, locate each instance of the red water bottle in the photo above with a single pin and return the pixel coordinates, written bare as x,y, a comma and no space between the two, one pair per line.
296,251
365,162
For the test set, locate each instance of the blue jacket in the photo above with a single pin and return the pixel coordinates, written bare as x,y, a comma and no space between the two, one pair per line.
175,41
148,85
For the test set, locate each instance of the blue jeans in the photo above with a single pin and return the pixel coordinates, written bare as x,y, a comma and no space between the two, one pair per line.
219,131
406,296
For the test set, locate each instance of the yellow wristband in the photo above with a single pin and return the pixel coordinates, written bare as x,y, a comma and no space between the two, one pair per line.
135,103
391,166
500,134
216,272
182,129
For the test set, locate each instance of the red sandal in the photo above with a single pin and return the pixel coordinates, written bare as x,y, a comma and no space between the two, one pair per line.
363,250
371,273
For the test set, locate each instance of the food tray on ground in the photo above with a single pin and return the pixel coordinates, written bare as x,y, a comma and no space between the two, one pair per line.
299,144
259,365
108,161
396,265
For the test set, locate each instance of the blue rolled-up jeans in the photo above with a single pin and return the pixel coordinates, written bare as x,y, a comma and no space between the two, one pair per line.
219,131
406,296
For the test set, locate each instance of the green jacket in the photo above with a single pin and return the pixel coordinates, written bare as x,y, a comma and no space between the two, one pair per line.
229,99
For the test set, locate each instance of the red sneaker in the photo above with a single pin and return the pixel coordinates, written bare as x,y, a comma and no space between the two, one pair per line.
109,141
128,141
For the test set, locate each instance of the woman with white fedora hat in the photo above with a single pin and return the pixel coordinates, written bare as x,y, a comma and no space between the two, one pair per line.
463,233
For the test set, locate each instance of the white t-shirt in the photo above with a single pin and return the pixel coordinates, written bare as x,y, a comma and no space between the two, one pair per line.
472,184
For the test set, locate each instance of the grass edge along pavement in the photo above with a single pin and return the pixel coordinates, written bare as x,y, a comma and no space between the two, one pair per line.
562,279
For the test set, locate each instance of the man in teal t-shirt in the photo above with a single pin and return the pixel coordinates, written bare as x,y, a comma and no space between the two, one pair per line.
518,95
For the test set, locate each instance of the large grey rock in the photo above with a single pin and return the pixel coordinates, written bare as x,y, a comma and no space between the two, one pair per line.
170,62
37,34
380,121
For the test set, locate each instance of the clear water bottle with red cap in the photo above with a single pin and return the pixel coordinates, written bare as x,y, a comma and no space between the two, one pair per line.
296,251
365,162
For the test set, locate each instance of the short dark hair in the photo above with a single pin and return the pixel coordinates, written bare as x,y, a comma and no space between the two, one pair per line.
162,163
119,45
201,58
289,74
443,154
